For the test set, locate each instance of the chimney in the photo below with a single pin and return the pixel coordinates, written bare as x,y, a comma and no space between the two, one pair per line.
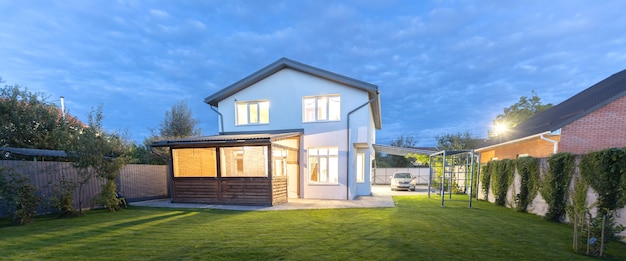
63,107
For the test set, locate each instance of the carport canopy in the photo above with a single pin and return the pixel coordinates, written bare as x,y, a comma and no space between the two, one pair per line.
401,151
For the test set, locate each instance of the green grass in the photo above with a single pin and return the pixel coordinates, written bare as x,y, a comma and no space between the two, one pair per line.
417,229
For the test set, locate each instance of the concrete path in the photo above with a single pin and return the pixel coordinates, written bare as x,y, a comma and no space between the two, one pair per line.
381,198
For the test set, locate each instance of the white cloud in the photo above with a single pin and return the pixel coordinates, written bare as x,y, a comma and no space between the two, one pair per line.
159,13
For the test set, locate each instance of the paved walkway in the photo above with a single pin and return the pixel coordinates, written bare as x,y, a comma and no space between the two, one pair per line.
381,198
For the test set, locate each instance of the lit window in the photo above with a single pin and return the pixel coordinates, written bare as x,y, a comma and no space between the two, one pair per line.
253,112
321,108
360,167
324,165
194,162
247,161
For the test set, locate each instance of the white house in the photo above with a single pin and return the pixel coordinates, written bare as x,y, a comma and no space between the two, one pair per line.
289,130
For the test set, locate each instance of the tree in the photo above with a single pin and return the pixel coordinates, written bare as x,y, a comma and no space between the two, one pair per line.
104,153
141,153
178,122
458,141
27,120
518,113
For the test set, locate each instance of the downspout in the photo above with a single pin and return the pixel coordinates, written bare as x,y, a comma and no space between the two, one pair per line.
221,118
556,143
348,143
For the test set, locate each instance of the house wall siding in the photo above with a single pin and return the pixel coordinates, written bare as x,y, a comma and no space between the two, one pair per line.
601,129
285,90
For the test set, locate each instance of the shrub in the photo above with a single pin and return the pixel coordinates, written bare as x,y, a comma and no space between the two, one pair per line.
17,196
62,198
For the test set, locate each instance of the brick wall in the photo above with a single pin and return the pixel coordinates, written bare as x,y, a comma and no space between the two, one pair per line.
601,129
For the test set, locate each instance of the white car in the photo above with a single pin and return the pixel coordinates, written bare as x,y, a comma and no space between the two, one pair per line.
401,180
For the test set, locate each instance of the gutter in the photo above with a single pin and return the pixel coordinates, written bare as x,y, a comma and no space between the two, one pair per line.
513,141
220,116
348,143
556,143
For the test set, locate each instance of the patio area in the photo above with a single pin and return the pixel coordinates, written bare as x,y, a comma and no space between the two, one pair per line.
381,198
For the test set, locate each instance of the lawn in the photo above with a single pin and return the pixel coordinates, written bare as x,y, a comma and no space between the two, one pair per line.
417,229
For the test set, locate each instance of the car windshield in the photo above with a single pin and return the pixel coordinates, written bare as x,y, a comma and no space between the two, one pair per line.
402,175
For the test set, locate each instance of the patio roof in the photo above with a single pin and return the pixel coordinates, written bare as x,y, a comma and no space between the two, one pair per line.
35,152
226,138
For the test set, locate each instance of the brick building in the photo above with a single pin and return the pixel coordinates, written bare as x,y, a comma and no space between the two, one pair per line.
591,120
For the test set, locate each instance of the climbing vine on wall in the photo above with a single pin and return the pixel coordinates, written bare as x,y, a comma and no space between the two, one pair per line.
486,177
555,184
605,172
501,180
528,170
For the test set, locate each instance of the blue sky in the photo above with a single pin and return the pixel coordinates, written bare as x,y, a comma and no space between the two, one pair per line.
442,66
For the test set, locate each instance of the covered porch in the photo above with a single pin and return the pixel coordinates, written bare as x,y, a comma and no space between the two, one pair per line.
238,169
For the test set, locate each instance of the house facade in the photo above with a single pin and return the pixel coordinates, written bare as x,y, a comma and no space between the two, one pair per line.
289,130
591,120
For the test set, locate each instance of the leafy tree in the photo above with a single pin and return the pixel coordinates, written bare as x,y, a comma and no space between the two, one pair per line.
518,113
104,153
141,153
27,120
179,123
458,141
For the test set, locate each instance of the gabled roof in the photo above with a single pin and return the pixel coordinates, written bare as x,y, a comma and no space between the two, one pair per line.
572,109
283,63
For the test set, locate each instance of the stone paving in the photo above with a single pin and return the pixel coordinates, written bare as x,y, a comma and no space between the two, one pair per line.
381,198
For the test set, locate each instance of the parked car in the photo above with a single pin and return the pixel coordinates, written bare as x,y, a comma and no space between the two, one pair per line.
401,180
413,184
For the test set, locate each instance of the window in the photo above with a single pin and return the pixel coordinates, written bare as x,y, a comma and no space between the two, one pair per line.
323,165
360,167
194,162
279,167
321,108
247,161
253,112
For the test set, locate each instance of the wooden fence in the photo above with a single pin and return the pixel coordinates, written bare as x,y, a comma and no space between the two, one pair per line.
135,182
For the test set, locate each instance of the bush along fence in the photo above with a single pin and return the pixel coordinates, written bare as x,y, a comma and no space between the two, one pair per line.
588,191
28,188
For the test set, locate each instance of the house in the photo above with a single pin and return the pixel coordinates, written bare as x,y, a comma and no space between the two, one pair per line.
289,130
591,120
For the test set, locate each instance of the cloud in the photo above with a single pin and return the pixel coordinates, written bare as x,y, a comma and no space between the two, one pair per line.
442,66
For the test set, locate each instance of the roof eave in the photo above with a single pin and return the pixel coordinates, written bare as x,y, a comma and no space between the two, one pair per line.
513,141
280,64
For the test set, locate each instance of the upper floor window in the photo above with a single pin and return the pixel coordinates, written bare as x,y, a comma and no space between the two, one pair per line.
321,108
253,112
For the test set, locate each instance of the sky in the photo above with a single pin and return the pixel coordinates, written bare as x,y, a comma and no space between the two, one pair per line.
442,67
